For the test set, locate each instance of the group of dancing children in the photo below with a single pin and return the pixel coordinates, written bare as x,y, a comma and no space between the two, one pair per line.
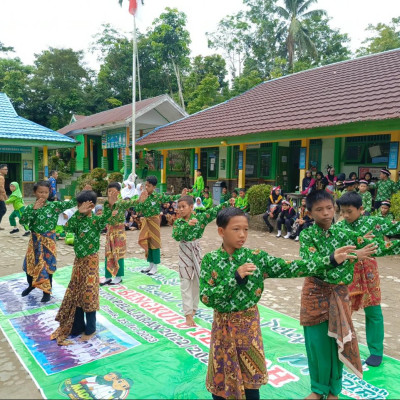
336,261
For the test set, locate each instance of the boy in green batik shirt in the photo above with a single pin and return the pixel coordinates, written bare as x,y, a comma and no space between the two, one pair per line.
232,282
82,296
366,197
225,196
149,205
207,201
384,210
328,291
385,187
198,186
242,201
187,230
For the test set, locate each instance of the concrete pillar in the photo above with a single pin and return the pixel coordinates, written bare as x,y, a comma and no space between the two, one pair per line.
242,166
394,156
304,156
163,167
46,162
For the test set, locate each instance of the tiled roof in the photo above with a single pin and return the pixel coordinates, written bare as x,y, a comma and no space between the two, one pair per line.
363,89
106,117
12,126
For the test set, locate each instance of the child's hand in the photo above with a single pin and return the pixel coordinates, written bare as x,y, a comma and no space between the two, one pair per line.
232,202
112,196
114,213
246,269
39,204
344,253
184,191
144,195
86,207
192,222
369,235
366,252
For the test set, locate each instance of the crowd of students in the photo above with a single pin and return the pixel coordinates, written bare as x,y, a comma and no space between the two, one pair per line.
336,261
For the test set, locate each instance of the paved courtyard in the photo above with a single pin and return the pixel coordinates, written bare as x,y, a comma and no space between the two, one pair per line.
281,295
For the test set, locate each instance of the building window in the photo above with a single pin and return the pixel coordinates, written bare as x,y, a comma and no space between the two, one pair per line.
367,150
258,161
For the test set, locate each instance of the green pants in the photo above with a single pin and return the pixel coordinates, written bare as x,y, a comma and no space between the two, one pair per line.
374,329
323,362
154,256
121,269
16,214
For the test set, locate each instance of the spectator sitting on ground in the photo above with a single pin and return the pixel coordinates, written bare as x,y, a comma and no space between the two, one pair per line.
273,206
286,217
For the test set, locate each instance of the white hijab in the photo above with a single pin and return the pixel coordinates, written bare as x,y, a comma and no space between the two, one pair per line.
198,205
139,189
128,190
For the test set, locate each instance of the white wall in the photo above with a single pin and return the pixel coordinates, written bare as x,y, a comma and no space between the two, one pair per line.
328,154
223,152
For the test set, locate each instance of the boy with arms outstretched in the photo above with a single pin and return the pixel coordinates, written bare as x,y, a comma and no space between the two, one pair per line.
187,230
232,282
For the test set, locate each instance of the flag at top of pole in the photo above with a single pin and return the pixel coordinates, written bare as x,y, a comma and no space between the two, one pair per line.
132,6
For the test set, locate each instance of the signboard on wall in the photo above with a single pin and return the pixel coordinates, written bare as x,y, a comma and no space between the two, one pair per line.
393,155
302,160
196,161
374,171
27,171
240,161
15,149
113,140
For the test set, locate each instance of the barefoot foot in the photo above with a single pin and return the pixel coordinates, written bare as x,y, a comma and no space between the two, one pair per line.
189,320
332,396
314,396
85,338
65,343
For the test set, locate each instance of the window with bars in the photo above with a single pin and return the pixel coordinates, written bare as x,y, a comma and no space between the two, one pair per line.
367,149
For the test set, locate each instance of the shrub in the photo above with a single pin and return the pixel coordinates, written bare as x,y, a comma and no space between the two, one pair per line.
115,177
395,207
258,197
96,179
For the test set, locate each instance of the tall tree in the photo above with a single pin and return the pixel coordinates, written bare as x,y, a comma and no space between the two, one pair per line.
5,49
385,37
170,40
297,36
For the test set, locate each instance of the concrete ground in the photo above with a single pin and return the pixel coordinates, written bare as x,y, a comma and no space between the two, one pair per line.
281,295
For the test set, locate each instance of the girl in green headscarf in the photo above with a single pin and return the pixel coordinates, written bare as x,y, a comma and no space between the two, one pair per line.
18,203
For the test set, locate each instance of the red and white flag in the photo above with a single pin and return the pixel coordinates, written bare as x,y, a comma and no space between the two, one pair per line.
132,6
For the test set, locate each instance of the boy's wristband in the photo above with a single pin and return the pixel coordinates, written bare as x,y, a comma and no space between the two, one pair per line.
240,280
333,261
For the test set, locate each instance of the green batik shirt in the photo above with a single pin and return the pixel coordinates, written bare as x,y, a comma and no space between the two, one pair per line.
377,225
221,289
121,206
242,203
152,205
86,230
182,231
315,240
207,203
385,189
45,219
389,216
366,200
224,197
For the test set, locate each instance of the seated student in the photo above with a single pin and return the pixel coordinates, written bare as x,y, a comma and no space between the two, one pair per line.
286,217
234,194
206,190
62,220
225,196
172,214
207,201
384,210
242,201
163,214
366,197
303,221
232,281
350,185
273,206
198,205
340,182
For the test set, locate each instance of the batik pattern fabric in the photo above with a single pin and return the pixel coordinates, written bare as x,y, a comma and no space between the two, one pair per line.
320,302
365,290
82,291
120,208
45,219
323,242
41,259
366,201
389,216
242,203
150,235
115,247
152,205
236,360
385,189
86,230
220,290
189,259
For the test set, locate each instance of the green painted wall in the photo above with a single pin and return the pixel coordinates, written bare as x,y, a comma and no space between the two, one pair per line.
80,152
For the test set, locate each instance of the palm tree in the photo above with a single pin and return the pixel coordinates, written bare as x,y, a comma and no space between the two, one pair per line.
297,35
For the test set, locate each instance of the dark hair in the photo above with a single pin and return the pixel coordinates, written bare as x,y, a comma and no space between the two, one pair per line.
114,185
152,180
226,214
352,173
187,199
86,195
208,187
204,193
52,172
3,166
319,173
350,199
235,191
41,183
341,177
317,195
367,173
242,190
199,170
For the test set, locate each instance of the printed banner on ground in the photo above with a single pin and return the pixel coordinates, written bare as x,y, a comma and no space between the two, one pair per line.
143,348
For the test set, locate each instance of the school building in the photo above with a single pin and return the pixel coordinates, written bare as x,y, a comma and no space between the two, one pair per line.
105,138
24,147
345,114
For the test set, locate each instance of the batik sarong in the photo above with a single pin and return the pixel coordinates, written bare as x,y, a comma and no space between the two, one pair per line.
40,259
82,291
189,259
365,290
236,360
320,302
115,247
150,236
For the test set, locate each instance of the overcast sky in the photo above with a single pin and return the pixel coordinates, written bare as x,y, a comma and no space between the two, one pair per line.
33,26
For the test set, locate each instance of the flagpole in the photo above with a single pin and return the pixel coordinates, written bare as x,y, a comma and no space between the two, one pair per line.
134,99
